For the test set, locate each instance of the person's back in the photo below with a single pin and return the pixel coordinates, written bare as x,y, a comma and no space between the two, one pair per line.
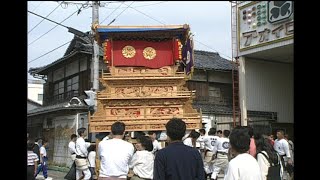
186,157
178,161
116,154
244,167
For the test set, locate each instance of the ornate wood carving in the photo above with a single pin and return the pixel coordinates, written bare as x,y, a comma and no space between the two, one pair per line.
144,99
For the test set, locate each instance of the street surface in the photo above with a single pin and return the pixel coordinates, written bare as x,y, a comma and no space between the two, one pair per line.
57,175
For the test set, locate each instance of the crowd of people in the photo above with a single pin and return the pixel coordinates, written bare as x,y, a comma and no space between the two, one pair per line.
240,154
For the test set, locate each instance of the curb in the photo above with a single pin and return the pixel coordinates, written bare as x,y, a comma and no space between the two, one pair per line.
59,168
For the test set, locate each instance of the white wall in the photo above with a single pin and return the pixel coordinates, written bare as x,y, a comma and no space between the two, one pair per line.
269,87
33,90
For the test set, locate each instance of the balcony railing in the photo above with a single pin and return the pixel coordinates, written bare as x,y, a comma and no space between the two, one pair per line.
60,98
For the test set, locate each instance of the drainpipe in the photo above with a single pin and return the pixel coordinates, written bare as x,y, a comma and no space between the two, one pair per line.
77,124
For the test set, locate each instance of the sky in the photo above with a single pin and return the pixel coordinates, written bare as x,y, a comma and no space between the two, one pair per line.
209,21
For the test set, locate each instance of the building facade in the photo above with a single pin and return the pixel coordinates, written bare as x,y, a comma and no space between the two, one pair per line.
263,45
212,80
63,110
35,90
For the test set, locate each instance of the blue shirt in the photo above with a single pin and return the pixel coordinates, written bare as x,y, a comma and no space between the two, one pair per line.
178,162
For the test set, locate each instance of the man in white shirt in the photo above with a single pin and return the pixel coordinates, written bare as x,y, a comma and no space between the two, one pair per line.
156,144
115,154
282,148
43,160
221,161
210,148
81,155
243,166
72,146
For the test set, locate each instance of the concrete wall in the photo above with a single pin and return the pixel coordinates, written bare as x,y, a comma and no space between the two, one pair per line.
269,87
64,127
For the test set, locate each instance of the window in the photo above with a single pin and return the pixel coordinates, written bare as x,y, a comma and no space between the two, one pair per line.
73,84
58,90
40,97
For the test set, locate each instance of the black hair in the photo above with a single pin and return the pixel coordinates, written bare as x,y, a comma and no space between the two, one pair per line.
203,131
226,133
102,135
212,131
30,145
151,132
194,134
73,136
240,139
44,141
250,131
263,144
146,142
37,139
81,131
92,147
219,131
176,129
118,128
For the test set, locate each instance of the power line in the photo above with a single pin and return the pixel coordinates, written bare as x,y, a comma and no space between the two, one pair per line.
151,4
43,18
121,12
111,13
49,52
142,5
53,27
37,6
212,49
146,15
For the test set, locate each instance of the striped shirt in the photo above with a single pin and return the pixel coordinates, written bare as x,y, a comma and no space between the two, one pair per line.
31,158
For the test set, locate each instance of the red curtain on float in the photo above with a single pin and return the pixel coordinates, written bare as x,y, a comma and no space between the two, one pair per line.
163,50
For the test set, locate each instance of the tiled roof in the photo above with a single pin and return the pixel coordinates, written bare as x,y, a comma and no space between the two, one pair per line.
211,61
53,108
33,102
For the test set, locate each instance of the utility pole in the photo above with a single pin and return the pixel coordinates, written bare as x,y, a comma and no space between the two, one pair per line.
95,56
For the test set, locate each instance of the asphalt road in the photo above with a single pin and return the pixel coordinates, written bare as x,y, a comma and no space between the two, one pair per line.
57,175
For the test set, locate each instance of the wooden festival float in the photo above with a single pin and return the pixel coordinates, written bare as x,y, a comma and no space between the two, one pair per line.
145,85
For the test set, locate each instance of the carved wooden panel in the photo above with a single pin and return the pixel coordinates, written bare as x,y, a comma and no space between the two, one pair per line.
144,99
131,126
125,112
141,102
136,71
134,91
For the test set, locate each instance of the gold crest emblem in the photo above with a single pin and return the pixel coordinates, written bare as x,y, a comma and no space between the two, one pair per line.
149,53
128,52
